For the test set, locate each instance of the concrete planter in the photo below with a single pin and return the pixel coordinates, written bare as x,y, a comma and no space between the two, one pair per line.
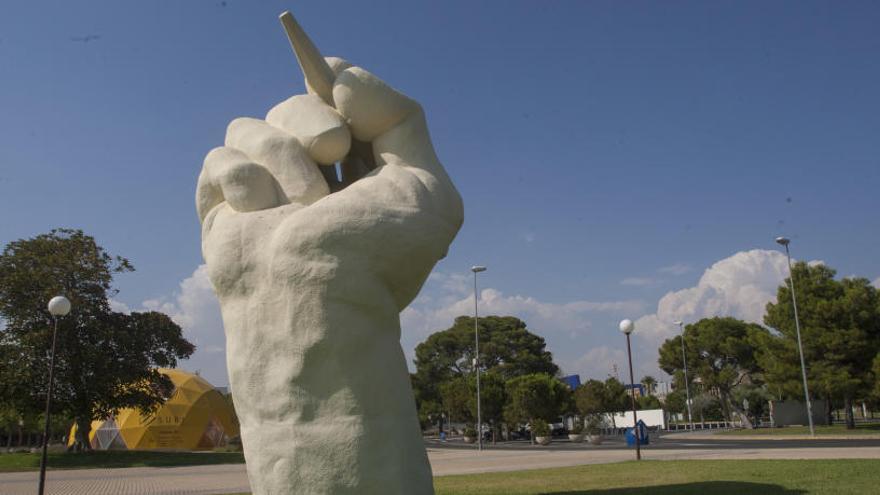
596,439
543,440
470,439
576,437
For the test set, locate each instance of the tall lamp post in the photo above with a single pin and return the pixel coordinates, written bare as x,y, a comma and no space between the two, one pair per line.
687,385
784,241
58,306
627,327
477,269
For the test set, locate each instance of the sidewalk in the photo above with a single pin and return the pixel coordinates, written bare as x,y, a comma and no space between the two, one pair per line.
231,478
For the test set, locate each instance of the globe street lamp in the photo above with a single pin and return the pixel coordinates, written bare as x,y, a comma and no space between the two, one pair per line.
687,385
784,241
627,327
58,306
477,269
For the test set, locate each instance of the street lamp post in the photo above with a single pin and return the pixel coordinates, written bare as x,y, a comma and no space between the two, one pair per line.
477,269
784,241
627,327
687,385
58,306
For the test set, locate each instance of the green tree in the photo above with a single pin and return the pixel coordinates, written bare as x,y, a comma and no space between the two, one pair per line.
754,400
840,332
458,399
493,397
616,397
720,353
594,397
676,402
507,349
536,396
876,372
104,360
590,398
648,402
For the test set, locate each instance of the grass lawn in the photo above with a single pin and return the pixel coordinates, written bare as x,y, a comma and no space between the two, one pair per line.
871,429
116,459
751,477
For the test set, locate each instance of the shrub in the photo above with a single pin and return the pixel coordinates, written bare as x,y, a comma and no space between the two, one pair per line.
540,428
594,424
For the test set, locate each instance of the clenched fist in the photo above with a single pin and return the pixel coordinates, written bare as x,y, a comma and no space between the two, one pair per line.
312,271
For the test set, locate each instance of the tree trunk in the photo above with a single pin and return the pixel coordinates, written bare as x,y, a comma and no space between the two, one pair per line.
828,411
532,432
747,422
81,437
848,407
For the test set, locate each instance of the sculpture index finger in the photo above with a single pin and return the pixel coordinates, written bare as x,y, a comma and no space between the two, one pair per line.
317,73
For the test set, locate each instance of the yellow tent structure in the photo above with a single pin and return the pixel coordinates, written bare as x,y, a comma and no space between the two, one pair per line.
196,417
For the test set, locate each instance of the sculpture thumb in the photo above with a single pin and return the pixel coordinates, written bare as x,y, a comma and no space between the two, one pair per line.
318,74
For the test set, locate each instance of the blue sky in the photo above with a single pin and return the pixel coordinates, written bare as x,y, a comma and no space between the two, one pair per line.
607,152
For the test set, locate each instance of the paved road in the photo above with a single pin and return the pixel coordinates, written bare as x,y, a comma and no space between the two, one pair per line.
450,458
678,441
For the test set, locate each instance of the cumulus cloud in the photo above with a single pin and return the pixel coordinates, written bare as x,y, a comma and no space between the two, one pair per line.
566,326
739,286
445,296
601,362
876,282
194,307
581,334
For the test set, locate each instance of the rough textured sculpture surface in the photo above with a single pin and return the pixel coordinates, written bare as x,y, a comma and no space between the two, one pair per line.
312,272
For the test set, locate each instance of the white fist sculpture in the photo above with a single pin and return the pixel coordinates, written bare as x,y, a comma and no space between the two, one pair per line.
312,273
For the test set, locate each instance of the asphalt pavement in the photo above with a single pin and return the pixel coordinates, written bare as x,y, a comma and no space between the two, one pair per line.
672,441
454,457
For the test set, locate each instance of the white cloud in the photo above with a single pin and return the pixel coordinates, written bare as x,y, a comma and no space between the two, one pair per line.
195,308
638,281
445,296
582,335
876,282
119,306
601,362
566,326
676,269
739,286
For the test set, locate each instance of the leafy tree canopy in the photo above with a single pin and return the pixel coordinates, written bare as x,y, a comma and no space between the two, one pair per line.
719,352
536,396
104,360
507,349
840,333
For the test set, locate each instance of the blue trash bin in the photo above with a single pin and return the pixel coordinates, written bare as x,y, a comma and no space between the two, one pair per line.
643,435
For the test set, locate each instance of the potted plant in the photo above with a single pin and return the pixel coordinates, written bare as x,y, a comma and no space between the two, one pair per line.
576,433
470,434
541,431
594,428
